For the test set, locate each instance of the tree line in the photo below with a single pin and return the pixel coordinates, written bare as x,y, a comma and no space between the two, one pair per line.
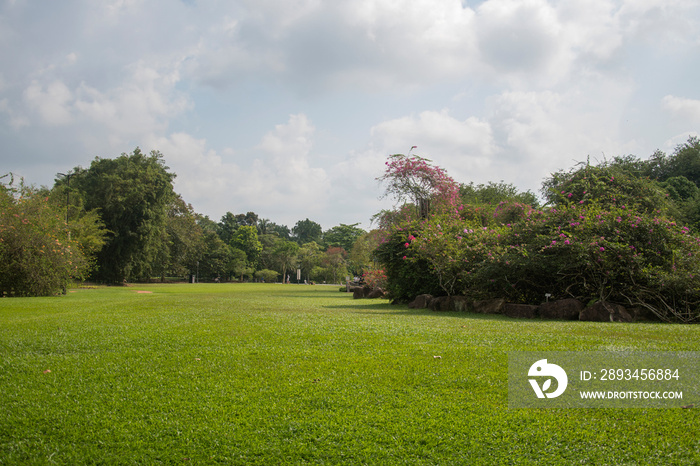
624,229
120,221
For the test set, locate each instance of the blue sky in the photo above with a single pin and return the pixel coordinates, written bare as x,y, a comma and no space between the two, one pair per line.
290,108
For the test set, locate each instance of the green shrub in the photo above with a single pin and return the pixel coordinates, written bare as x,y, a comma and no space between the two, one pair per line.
407,273
591,252
609,237
595,253
36,256
267,275
608,185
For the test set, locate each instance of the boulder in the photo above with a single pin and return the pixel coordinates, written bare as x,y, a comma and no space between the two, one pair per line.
441,303
602,311
642,314
621,314
361,292
421,301
461,304
566,309
489,306
521,311
376,293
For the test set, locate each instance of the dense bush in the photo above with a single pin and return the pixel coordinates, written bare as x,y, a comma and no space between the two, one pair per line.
610,236
267,275
606,184
589,252
596,253
376,278
36,256
407,273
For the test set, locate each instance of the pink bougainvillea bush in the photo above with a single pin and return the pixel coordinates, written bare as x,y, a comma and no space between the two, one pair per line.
612,246
376,278
596,253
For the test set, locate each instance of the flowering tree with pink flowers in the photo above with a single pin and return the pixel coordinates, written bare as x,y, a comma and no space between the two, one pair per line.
413,179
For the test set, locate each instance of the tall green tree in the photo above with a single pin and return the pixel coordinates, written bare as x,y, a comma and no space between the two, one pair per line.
185,240
227,226
306,231
267,259
685,160
494,193
239,264
286,253
280,230
309,256
360,256
249,219
246,239
343,236
133,193
216,259
334,262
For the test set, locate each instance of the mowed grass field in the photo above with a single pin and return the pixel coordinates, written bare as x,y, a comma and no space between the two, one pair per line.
287,374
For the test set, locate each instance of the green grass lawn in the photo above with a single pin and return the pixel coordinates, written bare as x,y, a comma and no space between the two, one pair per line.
288,374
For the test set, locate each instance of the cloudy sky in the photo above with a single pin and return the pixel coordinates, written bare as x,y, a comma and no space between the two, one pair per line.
289,108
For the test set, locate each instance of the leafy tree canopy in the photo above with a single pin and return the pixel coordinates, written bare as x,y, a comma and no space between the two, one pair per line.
306,231
495,193
246,239
343,235
132,194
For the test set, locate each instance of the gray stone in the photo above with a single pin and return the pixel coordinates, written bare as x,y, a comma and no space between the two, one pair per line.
566,309
461,304
441,303
521,311
489,306
602,311
421,301
361,292
642,314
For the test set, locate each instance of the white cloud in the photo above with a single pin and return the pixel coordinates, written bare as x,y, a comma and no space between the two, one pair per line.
591,29
379,45
541,132
683,108
524,136
16,121
141,105
284,169
541,84
368,45
516,35
661,23
418,41
204,178
459,146
51,103
274,182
